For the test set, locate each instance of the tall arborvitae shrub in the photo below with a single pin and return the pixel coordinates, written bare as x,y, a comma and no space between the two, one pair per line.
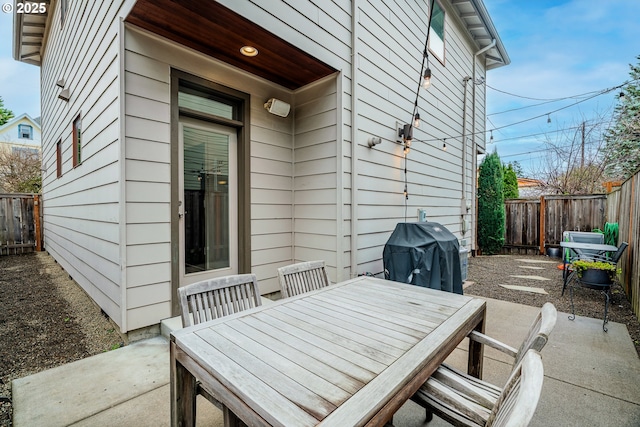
510,182
491,205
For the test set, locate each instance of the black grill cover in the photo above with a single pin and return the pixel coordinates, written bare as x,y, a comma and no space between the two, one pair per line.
424,254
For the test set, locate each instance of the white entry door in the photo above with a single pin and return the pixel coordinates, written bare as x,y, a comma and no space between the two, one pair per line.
208,201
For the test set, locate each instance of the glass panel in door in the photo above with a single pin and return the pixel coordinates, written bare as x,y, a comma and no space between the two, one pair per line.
209,198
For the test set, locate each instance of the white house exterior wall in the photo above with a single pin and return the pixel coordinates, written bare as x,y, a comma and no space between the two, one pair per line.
81,216
301,167
148,63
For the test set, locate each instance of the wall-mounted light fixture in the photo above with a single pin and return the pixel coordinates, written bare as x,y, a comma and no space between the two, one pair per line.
60,83
406,133
277,107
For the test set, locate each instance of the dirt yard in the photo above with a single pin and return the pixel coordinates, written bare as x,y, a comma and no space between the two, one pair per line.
47,320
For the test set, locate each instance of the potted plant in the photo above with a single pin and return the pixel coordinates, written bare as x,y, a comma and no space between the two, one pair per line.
595,272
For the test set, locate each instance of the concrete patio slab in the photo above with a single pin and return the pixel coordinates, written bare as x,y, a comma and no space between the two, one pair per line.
591,378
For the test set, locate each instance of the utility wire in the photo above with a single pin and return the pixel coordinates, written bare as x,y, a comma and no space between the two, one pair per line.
599,93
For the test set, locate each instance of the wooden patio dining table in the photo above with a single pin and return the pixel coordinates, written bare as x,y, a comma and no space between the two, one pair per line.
349,354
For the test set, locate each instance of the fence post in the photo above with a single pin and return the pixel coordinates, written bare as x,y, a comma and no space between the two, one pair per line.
541,224
36,215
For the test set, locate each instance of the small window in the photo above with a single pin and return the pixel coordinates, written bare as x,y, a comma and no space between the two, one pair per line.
59,159
25,132
436,32
77,141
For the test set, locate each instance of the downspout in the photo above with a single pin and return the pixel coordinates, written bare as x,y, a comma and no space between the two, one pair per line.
473,138
122,237
354,143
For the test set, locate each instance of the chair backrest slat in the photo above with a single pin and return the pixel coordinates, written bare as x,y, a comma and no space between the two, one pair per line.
519,398
539,332
213,298
303,277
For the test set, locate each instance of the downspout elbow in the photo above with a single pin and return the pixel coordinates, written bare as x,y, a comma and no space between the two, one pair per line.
486,48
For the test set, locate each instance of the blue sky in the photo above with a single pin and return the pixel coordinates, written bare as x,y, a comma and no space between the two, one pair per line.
19,82
557,48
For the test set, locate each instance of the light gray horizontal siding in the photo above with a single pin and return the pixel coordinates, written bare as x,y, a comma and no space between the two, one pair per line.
81,213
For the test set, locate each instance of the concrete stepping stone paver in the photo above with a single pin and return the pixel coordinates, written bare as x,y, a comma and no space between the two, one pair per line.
526,289
540,278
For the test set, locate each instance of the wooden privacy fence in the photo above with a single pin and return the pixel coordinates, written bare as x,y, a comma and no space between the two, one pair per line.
532,225
20,219
624,206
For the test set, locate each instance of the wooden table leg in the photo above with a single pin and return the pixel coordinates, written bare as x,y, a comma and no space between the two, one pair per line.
476,351
183,393
231,419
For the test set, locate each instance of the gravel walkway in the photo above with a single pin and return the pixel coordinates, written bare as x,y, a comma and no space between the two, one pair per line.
47,320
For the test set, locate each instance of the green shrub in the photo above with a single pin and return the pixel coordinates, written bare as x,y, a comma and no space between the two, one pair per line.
491,215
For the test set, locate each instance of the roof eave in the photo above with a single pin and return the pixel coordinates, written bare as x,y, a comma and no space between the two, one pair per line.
491,29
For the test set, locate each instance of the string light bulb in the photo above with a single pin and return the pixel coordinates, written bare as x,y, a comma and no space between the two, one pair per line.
416,120
444,144
548,119
426,79
491,138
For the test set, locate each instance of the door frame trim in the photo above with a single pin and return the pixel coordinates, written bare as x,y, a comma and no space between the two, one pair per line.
242,102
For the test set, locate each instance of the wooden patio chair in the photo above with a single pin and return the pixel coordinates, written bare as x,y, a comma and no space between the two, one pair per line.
303,277
484,393
475,404
214,298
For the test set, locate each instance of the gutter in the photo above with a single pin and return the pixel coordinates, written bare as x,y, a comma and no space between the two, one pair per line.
17,35
484,16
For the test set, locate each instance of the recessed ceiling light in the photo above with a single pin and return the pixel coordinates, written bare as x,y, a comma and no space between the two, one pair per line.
248,51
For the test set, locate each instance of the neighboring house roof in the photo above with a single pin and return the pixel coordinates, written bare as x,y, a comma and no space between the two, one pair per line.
10,134
13,121
528,182
29,33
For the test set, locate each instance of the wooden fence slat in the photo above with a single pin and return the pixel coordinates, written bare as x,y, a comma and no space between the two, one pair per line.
530,225
19,225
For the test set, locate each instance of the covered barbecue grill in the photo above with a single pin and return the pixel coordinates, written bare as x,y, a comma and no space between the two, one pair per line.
424,254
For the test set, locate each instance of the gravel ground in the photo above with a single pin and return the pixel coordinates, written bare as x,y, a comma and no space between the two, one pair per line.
47,320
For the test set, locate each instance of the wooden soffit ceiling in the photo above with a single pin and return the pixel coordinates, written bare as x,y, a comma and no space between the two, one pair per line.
217,31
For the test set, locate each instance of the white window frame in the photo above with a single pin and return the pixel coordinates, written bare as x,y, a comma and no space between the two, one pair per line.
436,43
